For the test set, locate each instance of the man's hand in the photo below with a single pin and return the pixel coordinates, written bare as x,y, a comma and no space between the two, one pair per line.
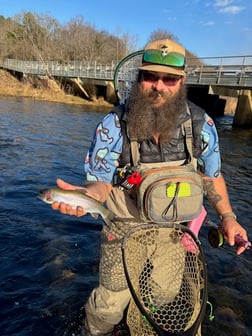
230,228
66,208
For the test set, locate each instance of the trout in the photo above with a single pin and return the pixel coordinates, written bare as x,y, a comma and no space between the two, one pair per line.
77,198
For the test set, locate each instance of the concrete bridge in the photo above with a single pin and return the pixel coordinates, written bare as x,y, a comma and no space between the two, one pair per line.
207,79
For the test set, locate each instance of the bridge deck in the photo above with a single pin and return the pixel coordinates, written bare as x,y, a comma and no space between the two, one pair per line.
237,75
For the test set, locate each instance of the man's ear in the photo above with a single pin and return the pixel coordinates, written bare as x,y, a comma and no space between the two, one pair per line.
183,79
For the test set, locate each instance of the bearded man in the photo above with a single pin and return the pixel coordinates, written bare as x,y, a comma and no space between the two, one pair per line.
153,118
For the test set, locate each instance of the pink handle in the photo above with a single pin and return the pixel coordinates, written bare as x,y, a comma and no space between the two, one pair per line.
196,223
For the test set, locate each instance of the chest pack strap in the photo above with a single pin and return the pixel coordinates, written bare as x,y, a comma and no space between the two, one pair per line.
187,133
134,147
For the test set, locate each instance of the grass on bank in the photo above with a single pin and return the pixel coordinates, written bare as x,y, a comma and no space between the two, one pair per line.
47,90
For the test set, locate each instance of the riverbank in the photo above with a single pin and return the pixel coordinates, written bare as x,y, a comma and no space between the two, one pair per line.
46,90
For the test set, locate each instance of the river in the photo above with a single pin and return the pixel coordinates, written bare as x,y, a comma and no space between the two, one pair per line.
49,262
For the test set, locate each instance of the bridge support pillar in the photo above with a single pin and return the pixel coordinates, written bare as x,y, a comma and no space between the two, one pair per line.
243,113
110,93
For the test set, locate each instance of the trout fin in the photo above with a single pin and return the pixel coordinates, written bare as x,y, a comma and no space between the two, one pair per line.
109,216
94,215
106,217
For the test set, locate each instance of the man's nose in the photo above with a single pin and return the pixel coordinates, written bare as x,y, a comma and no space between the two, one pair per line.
159,84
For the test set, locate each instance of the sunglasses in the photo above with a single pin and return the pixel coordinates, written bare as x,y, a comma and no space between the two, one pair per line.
162,58
168,80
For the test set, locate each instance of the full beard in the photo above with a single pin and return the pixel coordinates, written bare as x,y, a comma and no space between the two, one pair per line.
145,120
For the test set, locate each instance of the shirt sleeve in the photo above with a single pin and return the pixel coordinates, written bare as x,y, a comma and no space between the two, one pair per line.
105,149
209,161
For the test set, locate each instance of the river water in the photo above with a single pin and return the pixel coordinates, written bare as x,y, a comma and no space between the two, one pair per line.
49,262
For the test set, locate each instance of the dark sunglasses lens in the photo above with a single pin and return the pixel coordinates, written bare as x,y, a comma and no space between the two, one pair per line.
170,59
170,80
149,77
167,80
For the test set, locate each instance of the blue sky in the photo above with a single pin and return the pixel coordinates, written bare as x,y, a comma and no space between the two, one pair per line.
204,27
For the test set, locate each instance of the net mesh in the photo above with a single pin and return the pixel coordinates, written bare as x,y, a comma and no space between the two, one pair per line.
111,269
166,271
126,75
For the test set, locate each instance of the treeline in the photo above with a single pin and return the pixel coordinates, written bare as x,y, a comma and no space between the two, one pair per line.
39,37
30,36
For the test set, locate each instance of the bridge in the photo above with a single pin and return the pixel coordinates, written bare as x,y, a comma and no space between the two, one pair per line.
236,74
232,75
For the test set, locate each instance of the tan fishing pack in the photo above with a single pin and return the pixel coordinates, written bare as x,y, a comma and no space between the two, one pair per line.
169,192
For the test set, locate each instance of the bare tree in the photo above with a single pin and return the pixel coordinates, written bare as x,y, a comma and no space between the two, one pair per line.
161,34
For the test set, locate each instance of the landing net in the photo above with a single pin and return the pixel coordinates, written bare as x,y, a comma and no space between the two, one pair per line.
166,273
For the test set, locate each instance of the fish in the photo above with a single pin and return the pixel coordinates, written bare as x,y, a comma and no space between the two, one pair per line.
77,198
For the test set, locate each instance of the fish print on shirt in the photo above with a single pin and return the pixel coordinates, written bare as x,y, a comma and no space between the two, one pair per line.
104,134
103,155
100,161
209,160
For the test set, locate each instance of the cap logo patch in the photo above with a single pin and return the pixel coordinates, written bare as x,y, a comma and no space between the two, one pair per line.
164,50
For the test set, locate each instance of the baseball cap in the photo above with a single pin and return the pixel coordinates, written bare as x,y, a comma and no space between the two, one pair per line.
164,56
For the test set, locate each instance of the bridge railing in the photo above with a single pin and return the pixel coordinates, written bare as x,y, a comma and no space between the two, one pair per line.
233,71
53,68
230,70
